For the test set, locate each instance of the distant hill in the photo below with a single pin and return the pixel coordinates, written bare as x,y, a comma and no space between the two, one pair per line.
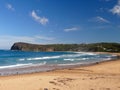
93,47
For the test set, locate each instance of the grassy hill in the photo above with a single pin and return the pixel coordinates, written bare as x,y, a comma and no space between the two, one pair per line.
93,47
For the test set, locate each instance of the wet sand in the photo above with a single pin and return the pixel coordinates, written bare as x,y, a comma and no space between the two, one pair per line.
100,76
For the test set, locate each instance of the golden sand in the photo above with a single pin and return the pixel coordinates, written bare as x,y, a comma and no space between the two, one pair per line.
102,76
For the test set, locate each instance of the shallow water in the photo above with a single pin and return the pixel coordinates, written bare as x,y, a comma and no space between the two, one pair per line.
26,62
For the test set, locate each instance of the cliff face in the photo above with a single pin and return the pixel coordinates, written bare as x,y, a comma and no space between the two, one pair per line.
30,47
95,47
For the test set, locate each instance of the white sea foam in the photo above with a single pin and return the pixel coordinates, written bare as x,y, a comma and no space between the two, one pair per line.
81,59
68,59
72,55
76,59
55,57
60,56
114,55
22,59
108,59
43,58
86,53
17,65
42,63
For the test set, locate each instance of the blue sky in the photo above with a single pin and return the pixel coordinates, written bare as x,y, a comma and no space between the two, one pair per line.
59,21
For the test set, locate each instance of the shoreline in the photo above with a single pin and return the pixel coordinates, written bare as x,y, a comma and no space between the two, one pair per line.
50,68
100,76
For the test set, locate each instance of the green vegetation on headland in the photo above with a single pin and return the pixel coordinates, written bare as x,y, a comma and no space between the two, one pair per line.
93,47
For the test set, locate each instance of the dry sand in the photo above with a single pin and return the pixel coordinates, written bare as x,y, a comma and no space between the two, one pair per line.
102,76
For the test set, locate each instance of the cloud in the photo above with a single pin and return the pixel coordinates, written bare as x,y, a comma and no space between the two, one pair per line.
71,29
6,41
99,20
9,7
41,20
116,9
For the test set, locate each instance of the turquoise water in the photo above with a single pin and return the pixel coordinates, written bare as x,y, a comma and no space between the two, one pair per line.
12,59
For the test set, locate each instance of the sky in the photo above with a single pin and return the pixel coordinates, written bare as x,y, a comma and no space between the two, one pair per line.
59,21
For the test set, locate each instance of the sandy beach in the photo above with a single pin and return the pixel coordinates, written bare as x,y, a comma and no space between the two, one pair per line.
101,76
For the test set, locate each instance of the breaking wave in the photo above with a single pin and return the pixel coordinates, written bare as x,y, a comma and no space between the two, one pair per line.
10,59
17,65
78,54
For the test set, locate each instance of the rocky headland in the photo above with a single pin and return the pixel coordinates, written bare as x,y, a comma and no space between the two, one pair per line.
93,47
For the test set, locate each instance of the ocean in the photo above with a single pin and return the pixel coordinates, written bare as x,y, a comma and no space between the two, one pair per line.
19,62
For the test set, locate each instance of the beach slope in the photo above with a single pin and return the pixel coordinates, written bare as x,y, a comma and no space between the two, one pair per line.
102,76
